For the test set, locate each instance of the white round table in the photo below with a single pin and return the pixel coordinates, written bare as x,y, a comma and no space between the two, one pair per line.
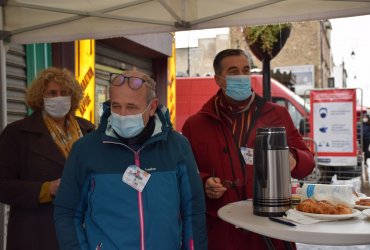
354,231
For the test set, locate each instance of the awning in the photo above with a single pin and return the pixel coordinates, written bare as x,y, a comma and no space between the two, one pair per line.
56,21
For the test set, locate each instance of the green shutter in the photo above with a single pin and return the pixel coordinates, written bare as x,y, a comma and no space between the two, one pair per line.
38,57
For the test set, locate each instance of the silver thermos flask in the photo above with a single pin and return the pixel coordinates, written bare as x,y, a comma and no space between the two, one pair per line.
272,190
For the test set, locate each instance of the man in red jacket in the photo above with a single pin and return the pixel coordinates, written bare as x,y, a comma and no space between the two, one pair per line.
225,126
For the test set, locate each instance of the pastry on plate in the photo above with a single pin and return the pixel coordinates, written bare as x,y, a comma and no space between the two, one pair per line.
363,202
323,207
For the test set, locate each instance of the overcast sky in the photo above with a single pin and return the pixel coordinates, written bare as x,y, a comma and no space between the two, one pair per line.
352,34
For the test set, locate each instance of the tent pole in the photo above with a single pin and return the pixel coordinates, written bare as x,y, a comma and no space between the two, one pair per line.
3,122
266,79
3,104
3,119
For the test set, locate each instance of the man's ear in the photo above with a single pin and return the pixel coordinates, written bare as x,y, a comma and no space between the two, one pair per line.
153,107
218,80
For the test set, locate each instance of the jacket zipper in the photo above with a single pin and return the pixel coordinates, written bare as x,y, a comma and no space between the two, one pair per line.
139,196
92,189
141,212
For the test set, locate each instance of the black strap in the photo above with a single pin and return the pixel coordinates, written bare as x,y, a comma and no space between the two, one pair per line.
227,151
259,104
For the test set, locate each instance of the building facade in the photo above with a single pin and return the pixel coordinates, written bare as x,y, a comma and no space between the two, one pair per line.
307,53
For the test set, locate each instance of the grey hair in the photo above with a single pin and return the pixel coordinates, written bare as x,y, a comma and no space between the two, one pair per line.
151,84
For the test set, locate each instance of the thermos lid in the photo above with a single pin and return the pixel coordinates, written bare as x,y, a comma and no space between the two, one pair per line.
272,138
273,130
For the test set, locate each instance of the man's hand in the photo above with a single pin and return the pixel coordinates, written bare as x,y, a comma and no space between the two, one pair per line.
292,161
213,188
54,185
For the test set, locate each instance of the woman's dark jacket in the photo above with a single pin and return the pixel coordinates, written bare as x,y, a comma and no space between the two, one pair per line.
28,158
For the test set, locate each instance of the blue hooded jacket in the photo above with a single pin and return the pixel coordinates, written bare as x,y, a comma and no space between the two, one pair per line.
95,209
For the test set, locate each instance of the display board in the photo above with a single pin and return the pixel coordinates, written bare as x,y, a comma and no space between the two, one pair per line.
333,123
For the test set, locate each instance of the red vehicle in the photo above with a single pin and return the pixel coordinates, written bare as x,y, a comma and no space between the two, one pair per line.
193,92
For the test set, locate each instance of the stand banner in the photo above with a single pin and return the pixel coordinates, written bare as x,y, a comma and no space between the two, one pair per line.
333,126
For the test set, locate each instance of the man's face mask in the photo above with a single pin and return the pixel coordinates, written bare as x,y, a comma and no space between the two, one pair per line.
128,126
57,107
238,87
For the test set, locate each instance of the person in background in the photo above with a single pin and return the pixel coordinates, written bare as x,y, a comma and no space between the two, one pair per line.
133,183
366,137
32,155
222,136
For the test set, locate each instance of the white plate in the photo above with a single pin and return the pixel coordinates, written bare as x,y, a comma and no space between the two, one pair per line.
359,207
355,213
366,212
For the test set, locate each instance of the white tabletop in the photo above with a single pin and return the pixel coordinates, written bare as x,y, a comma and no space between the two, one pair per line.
354,231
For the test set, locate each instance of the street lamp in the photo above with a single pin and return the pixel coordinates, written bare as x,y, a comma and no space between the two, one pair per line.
353,55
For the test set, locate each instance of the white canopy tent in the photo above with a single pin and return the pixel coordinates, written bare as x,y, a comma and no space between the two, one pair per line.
36,21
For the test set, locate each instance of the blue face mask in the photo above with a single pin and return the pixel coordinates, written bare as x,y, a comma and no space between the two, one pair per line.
128,126
238,87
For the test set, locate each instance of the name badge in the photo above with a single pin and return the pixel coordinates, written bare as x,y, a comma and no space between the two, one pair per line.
247,154
136,177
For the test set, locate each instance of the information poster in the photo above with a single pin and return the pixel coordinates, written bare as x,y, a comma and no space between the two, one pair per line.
333,119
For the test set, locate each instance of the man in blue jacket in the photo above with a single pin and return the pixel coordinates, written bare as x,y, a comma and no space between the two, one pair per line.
133,183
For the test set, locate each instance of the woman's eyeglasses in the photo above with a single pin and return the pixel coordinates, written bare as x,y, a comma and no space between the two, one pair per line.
119,79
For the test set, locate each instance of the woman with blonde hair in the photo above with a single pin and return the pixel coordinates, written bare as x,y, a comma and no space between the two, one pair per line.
32,155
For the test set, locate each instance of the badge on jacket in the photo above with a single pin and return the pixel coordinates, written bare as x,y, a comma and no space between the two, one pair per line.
247,154
136,177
